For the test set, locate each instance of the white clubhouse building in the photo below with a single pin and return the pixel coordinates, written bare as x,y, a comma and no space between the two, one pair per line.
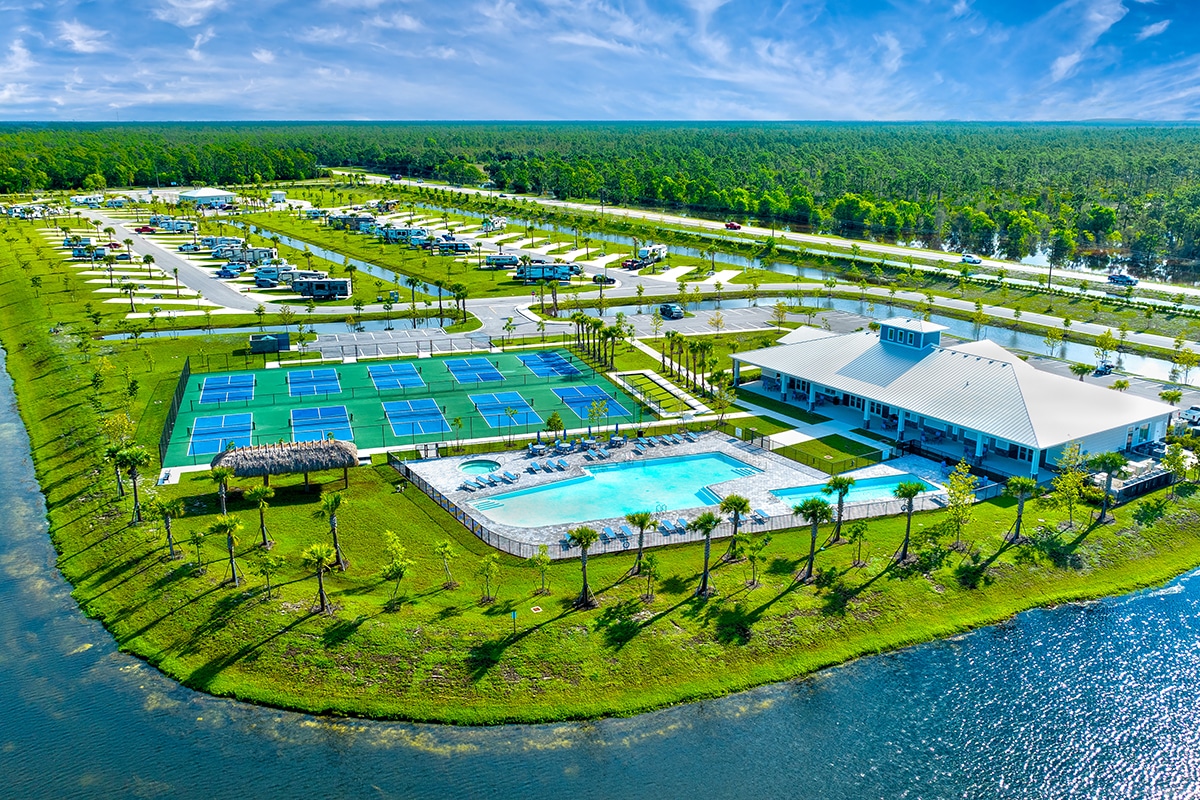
974,400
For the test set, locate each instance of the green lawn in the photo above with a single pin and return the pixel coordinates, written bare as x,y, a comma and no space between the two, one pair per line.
442,654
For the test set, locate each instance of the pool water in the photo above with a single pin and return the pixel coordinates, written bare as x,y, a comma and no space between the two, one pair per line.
479,467
864,489
614,490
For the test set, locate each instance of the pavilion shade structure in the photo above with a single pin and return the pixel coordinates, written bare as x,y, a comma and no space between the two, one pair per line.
289,458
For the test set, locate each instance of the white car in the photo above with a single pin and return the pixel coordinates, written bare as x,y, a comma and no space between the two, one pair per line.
1192,415
970,258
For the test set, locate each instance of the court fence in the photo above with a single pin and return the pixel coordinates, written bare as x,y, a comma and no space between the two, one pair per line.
173,413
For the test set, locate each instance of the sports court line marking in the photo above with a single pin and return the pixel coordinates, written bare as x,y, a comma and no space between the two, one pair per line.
395,376
473,370
580,398
305,382
548,365
324,422
212,435
415,417
226,388
492,408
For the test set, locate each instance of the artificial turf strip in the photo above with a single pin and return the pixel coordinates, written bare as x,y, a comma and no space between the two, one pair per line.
441,655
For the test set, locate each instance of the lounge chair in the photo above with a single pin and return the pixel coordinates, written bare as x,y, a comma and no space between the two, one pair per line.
760,516
637,450
602,452
548,466
682,525
641,440
563,465
666,526
481,483
534,466
509,476
607,535
691,437
653,440
565,543
624,532
466,486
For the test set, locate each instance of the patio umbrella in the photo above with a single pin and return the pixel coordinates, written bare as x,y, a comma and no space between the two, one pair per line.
589,431
539,437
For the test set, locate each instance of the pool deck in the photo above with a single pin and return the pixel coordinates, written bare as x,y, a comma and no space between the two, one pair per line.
777,472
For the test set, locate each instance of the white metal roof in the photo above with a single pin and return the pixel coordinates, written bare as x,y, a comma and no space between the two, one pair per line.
978,385
804,334
205,192
914,325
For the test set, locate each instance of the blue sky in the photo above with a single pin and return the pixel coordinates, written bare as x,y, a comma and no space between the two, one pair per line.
599,59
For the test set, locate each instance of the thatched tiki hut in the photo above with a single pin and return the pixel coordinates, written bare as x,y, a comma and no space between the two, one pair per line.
288,458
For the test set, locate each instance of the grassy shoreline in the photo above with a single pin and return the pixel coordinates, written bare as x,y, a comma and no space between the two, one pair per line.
443,656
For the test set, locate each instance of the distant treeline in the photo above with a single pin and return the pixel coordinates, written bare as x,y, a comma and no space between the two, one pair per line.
1092,193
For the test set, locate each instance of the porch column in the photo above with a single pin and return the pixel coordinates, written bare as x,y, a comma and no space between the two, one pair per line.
866,414
900,427
737,371
978,444
1033,469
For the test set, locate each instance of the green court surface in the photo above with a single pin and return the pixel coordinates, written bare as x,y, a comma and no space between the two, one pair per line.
392,403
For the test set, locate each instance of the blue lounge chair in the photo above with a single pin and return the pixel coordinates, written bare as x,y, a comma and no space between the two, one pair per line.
624,532
481,483
641,440
682,525
563,465
674,437
565,543
548,466
666,526
510,477
761,516
691,437
602,452
652,441
607,535
534,466
637,450
467,486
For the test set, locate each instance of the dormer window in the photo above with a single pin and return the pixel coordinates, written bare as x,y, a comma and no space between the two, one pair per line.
910,337
891,334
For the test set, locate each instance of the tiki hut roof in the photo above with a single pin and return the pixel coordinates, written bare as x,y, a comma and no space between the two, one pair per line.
288,458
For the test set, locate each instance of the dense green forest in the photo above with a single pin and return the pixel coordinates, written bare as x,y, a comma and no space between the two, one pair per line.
1096,194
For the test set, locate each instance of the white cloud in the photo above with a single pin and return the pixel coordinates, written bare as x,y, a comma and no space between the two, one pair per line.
581,39
355,3
1153,30
892,53
198,41
18,61
397,22
323,35
263,56
1092,19
187,13
81,38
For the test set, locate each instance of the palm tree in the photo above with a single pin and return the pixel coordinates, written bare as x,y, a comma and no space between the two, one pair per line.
331,502
735,506
133,459
907,491
167,510
705,524
148,260
110,454
220,476
1081,370
229,527
584,537
1110,464
259,495
839,485
640,520
1022,489
318,556
815,511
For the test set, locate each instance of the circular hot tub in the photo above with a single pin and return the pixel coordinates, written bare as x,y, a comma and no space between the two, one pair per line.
478,466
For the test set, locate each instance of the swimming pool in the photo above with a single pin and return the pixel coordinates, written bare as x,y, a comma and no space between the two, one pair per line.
863,490
614,490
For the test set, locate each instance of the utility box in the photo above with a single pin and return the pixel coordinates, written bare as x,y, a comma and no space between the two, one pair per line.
269,342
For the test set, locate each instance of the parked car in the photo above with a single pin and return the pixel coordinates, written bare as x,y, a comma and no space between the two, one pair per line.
225,272
189,248
144,229
1102,369
971,258
670,311
1192,415
1120,279
630,263
123,257
732,226
603,279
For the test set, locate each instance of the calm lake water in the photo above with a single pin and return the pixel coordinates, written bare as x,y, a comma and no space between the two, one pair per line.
1092,701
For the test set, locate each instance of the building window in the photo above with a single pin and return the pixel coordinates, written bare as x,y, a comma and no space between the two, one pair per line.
891,334
910,337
